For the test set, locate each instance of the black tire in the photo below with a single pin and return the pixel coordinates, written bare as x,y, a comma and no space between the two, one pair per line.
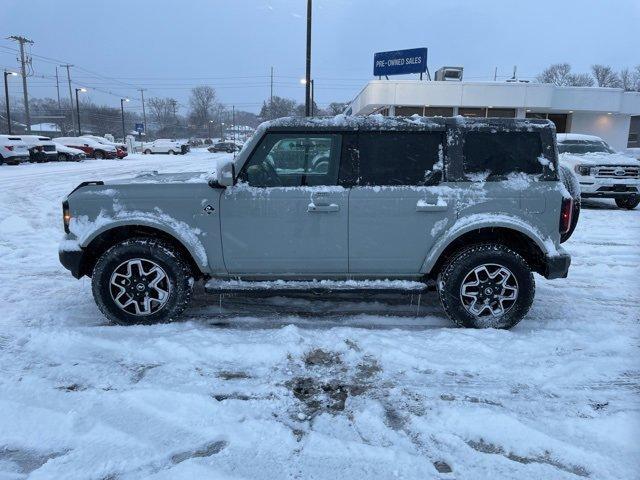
462,265
178,274
98,154
628,203
171,152
147,152
63,157
573,186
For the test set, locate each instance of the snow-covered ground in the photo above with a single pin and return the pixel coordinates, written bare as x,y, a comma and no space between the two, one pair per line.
296,388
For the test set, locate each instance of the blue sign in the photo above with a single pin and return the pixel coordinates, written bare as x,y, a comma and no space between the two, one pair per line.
400,62
139,127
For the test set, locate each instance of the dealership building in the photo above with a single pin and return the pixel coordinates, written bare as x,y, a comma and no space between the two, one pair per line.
609,113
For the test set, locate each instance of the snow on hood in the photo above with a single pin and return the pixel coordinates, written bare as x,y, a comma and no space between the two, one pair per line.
158,178
599,159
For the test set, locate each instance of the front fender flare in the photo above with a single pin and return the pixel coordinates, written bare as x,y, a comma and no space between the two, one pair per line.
479,221
181,232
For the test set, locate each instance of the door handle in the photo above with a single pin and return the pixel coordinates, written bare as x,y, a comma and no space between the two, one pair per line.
423,206
313,208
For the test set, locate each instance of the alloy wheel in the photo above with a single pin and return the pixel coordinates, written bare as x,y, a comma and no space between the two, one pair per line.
139,286
489,290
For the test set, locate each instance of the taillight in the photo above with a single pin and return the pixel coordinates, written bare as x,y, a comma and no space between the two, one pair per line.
66,216
566,213
9,147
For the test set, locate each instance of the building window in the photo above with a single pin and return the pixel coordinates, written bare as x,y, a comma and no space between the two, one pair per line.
634,132
438,111
408,111
501,112
472,112
561,120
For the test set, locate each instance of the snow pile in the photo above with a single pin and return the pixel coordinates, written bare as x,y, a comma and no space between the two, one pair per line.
319,388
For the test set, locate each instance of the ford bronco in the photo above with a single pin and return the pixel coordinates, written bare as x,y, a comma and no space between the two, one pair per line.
472,207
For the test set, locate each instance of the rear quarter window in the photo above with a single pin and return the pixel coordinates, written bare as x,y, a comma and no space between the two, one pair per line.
493,156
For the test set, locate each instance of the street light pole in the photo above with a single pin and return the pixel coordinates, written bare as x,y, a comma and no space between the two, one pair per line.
78,109
307,98
6,98
122,100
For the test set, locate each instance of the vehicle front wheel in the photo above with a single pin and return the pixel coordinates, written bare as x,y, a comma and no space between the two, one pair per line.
629,202
171,152
142,281
486,286
147,152
98,155
63,157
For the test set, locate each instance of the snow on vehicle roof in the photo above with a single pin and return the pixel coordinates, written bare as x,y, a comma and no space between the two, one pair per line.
379,121
563,137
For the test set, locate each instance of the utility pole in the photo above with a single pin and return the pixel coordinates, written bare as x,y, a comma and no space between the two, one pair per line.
307,99
58,89
144,113
271,96
233,122
73,115
23,63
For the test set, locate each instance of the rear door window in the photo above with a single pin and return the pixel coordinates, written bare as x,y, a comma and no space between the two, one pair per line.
493,156
400,158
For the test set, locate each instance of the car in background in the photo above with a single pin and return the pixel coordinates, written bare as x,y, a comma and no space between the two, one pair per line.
165,145
601,171
90,147
41,149
13,150
121,148
68,154
222,146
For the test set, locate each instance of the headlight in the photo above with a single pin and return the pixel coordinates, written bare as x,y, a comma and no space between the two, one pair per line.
583,170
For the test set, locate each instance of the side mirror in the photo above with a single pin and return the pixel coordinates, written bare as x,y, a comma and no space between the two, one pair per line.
225,175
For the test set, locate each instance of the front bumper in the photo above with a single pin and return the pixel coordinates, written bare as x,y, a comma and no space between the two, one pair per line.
557,266
72,261
592,187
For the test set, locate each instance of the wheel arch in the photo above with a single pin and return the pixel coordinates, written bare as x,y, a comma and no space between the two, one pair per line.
103,239
522,240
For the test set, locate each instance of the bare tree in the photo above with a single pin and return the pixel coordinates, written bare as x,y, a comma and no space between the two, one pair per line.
560,74
605,76
335,108
161,111
202,100
278,107
630,79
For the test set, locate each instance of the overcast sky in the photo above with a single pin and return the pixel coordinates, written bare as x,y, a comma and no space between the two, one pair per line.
168,46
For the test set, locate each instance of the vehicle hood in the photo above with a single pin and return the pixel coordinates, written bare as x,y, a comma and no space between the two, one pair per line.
594,159
163,178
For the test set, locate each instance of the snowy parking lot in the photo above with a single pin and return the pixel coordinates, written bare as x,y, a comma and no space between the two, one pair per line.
372,388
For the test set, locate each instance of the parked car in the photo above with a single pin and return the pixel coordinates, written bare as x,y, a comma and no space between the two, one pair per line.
121,148
68,154
471,207
41,149
165,145
601,172
13,150
223,146
90,147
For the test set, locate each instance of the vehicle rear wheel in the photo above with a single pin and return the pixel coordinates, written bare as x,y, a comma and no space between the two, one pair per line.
486,286
98,155
572,185
629,202
63,157
141,281
171,152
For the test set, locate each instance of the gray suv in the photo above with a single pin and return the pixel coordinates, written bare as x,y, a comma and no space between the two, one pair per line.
471,207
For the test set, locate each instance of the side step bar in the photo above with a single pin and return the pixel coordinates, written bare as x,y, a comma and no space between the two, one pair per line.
283,287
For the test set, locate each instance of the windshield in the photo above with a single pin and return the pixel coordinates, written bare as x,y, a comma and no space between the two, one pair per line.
581,147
